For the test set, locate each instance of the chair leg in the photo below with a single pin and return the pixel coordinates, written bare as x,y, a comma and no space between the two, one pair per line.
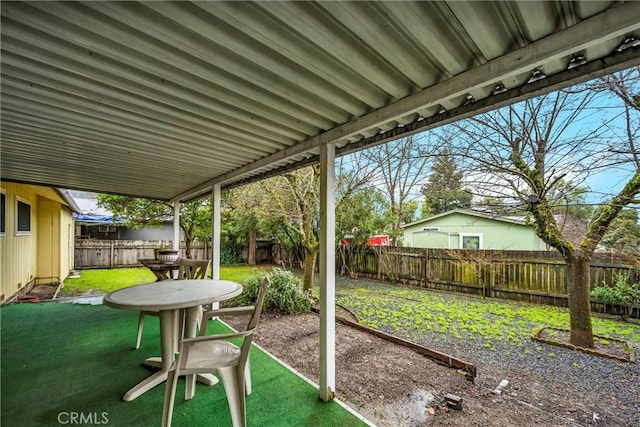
199,320
235,395
192,319
169,397
214,306
247,378
140,326
189,386
240,378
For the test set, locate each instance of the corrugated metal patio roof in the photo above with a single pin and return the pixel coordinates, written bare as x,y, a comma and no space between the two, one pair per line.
164,99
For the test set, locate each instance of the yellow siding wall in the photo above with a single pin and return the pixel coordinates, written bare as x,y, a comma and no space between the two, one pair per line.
18,252
48,249
67,242
27,258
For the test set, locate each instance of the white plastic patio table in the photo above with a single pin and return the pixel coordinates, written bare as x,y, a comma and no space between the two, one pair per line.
172,299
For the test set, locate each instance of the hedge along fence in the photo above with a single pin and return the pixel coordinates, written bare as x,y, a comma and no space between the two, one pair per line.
125,253
532,276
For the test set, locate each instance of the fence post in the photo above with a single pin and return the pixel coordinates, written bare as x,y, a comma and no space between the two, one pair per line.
424,266
492,276
111,255
381,258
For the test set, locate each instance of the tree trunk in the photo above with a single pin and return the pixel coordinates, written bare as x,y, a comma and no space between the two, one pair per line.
188,239
187,247
309,269
252,248
578,284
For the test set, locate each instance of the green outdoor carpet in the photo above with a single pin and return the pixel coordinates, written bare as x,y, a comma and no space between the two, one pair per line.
68,360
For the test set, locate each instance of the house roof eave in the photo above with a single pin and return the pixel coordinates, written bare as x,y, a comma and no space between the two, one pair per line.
465,212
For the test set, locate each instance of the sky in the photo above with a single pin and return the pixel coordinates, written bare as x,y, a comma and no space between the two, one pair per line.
607,182
604,114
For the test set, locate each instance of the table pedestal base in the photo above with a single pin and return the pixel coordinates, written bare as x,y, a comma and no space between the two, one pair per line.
145,385
160,377
206,379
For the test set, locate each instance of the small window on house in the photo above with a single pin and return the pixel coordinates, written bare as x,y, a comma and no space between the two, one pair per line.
3,213
471,241
23,218
107,229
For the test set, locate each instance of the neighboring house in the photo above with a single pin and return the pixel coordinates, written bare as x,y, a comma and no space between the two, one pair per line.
104,227
465,229
164,232
36,237
94,222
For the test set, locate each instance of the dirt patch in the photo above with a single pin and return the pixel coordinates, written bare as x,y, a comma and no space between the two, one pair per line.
392,385
40,293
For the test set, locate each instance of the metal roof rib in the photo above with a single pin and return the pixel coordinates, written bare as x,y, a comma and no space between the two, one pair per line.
165,99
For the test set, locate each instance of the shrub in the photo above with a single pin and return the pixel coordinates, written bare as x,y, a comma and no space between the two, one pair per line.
621,293
230,255
284,296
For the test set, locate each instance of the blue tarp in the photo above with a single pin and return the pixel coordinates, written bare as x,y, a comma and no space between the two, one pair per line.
103,219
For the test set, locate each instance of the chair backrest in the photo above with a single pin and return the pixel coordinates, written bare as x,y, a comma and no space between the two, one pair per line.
193,269
255,319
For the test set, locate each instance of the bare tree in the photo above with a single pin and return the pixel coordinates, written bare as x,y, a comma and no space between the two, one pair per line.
400,169
528,152
294,198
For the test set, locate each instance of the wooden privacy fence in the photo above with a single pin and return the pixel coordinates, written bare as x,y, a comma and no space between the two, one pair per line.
125,253
533,276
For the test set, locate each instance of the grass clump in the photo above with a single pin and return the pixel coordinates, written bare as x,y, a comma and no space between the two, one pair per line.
285,295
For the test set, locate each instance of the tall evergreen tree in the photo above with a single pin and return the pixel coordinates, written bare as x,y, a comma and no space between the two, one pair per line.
623,235
443,190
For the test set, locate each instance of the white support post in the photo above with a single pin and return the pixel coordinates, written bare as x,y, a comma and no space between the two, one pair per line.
176,225
215,237
327,272
176,234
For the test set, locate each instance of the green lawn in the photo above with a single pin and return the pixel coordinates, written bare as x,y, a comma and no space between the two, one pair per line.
408,312
105,281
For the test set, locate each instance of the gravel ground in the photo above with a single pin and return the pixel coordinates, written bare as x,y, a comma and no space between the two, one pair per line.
589,389
587,384
548,385
394,386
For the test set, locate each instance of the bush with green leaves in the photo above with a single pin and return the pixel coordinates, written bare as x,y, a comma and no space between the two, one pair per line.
285,295
621,293
230,255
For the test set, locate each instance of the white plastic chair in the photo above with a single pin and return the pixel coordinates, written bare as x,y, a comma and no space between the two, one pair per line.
187,269
214,354
231,311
